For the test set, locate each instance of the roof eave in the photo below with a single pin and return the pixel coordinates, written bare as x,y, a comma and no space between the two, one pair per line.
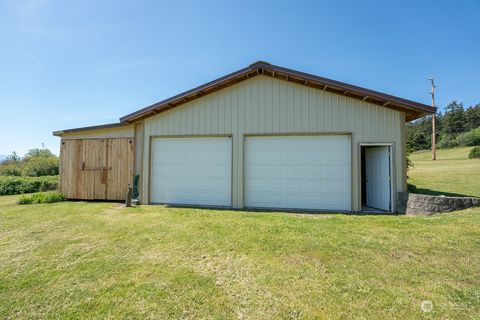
267,69
89,128
195,91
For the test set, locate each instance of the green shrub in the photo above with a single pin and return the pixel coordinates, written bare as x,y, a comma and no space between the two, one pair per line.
474,153
18,185
41,197
10,169
447,141
51,197
36,163
470,138
40,166
25,199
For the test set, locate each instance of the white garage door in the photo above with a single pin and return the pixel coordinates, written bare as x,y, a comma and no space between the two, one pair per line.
191,171
298,172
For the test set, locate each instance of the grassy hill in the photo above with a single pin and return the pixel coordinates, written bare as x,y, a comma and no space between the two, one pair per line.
451,174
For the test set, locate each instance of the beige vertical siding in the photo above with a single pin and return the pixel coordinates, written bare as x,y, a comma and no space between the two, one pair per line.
106,133
139,146
263,105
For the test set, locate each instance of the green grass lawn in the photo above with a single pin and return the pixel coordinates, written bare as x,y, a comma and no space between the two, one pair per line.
451,174
98,260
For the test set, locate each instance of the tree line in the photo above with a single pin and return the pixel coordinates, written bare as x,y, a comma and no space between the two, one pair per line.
457,126
36,163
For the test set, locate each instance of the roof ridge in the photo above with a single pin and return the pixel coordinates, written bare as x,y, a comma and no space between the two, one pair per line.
259,63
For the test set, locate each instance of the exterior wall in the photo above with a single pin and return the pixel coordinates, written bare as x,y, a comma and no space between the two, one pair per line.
116,132
96,169
139,146
264,105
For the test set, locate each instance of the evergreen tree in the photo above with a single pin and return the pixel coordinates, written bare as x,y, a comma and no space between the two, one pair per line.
454,121
455,128
472,117
419,133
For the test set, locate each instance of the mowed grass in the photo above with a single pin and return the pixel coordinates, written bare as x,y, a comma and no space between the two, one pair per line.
451,174
76,260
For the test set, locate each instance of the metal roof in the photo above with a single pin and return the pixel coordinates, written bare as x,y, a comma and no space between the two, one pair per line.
103,126
412,109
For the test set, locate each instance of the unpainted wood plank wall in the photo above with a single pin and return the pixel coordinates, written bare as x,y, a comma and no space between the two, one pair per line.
96,169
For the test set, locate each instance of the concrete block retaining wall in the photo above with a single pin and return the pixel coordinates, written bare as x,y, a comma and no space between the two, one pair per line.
421,204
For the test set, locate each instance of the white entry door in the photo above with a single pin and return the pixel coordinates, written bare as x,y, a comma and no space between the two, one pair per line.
298,172
378,177
191,171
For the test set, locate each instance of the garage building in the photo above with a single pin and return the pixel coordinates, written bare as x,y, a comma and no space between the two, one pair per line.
262,137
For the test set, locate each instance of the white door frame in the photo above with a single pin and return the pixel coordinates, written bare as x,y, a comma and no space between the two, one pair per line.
391,146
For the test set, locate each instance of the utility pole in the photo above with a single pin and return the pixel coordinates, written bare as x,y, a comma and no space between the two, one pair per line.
434,146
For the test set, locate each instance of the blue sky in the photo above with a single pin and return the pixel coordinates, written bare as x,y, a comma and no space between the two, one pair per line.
67,64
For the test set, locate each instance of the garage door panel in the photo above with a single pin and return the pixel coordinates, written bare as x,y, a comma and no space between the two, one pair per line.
191,171
299,172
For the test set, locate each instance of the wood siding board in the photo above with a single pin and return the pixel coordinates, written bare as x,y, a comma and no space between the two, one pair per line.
241,108
306,109
209,111
403,151
255,105
318,111
235,149
283,107
327,113
138,153
268,106
311,110
261,106
343,114
248,106
335,112
275,107
214,106
290,109
298,109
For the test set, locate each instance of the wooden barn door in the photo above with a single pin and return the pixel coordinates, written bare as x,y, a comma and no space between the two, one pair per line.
120,167
96,169
71,154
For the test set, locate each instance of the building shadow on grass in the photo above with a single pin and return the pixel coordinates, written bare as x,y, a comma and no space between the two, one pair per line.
439,193
248,210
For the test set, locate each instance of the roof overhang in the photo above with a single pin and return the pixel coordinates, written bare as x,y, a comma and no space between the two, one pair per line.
413,110
99,127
